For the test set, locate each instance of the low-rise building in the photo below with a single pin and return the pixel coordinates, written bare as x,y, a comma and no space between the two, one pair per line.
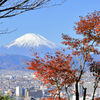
32,92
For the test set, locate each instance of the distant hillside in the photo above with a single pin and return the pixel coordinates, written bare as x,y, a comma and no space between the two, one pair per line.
13,62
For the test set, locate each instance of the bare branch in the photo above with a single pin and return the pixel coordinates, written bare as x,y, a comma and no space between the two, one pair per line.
6,31
2,2
9,8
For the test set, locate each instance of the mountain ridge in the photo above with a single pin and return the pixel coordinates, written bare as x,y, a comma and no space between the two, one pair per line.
13,61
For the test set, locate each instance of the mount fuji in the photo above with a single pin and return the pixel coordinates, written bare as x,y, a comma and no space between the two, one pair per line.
12,54
22,45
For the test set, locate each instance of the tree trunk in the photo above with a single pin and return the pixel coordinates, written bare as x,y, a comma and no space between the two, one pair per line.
67,93
84,96
58,89
76,88
94,92
95,87
59,94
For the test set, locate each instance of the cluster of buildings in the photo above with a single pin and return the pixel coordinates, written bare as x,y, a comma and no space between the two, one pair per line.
22,85
27,94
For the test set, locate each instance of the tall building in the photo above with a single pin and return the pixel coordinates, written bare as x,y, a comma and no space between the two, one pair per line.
19,91
81,91
89,86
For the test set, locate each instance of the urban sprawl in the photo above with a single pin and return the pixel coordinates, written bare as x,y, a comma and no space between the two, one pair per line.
23,85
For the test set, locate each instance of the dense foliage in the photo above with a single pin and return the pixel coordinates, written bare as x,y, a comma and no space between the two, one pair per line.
54,70
61,70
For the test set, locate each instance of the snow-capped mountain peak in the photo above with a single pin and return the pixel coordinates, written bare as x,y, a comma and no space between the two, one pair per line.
32,40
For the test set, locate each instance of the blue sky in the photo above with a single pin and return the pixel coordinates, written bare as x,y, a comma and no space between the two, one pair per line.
48,22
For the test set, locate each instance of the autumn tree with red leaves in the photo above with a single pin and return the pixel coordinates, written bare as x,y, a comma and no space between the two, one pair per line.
89,28
54,71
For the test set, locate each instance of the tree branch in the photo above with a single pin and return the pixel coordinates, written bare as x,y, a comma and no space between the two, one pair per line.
15,8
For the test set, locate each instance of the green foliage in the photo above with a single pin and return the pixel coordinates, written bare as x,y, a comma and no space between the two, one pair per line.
6,97
1,97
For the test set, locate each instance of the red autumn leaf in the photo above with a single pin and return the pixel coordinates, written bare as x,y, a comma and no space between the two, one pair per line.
37,56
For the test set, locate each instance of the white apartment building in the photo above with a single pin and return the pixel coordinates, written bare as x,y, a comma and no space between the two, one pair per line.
18,91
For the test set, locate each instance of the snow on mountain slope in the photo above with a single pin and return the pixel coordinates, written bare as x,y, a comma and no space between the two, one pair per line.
22,45
32,40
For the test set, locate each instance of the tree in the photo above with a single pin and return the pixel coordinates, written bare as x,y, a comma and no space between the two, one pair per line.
89,28
6,97
54,70
95,68
9,8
